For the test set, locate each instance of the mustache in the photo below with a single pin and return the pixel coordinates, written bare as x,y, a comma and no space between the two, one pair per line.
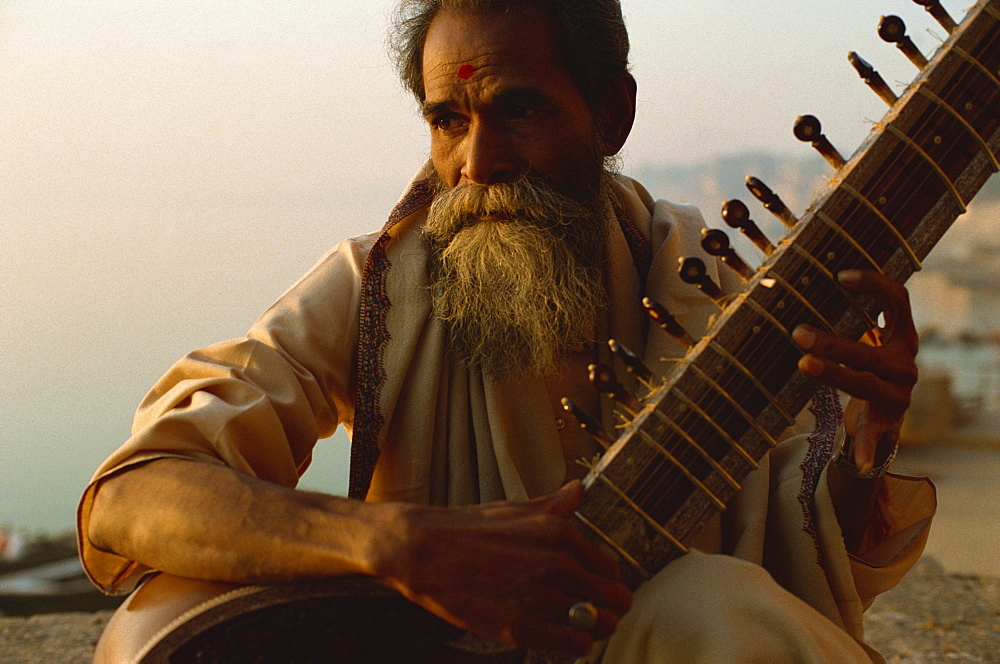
530,199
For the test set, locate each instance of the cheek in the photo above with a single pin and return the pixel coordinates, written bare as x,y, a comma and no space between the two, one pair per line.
446,162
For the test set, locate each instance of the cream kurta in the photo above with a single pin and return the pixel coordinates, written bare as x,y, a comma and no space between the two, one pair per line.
353,343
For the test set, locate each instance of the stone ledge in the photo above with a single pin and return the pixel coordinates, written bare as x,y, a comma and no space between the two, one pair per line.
930,617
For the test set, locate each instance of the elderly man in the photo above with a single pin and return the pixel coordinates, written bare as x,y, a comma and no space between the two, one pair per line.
444,344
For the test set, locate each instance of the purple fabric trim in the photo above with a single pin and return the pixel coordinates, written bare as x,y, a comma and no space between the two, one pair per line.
372,338
825,407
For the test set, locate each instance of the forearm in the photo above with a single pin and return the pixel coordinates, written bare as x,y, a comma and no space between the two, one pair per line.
206,521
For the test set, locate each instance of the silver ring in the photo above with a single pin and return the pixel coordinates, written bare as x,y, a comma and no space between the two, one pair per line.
582,616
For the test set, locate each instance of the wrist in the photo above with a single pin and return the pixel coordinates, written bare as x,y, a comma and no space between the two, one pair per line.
844,459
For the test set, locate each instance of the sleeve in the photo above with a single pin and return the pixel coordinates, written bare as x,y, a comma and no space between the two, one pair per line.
896,536
257,404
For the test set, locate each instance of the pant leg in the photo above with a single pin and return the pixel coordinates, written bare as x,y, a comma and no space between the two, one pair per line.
716,608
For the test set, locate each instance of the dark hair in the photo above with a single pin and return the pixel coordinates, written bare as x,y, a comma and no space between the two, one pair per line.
591,38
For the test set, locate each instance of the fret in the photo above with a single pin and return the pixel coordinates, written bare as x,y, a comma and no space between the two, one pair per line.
965,123
805,302
610,541
832,279
764,313
647,477
900,240
934,165
767,366
650,520
933,133
693,405
771,398
697,437
961,52
698,448
684,469
787,306
720,423
855,218
992,11
871,262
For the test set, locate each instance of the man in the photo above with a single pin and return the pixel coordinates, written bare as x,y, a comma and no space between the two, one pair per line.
444,344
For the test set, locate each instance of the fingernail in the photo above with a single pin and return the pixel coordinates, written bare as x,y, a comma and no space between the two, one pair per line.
849,277
804,336
809,365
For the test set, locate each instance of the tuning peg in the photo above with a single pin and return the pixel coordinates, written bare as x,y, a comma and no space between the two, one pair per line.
632,363
603,378
667,323
872,78
892,30
771,201
694,272
808,130
736,215
716,243
939,14
588,423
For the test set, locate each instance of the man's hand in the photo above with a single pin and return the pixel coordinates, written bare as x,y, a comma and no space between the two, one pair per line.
508,571
879,378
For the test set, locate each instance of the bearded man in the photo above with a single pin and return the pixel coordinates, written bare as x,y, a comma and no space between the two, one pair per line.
444,344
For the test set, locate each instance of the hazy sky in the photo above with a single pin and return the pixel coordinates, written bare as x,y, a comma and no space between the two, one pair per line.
167,169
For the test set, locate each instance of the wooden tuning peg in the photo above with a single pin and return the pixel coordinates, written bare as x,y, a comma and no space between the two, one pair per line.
604,379
939,14
632,363
808,130
694,272
872,78
667,322
716,243
892,30
736,215
588,423
772,203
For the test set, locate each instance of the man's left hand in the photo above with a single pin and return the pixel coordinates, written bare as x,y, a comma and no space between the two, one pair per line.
879,375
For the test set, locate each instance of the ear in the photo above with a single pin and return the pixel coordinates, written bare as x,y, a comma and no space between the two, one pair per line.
618,113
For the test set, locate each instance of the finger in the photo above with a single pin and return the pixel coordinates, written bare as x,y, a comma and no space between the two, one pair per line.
565,501
892,396
554,636
893,297
611,594
893,363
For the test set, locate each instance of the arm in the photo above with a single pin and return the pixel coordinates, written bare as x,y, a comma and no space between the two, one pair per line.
508,571
880,380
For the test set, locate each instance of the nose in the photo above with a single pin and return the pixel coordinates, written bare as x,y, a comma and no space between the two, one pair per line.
490,156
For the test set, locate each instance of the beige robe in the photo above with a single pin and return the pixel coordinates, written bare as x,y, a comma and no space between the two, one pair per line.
353,343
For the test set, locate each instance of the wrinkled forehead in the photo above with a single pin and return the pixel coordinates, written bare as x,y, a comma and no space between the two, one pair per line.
465,48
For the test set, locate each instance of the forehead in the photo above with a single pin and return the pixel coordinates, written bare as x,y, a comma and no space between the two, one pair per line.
464,53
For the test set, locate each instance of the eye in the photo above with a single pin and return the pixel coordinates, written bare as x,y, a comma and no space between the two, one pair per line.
519,112
447,122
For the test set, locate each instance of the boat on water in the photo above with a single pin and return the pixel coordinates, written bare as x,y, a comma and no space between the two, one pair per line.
44,575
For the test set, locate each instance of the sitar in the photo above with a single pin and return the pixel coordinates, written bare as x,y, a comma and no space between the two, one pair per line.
702,427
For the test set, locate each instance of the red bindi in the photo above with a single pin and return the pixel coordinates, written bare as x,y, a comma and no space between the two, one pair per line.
466,71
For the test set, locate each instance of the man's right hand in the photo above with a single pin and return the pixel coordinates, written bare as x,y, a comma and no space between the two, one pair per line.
507,571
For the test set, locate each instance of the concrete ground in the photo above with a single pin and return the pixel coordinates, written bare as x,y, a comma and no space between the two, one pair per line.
946,610
930,617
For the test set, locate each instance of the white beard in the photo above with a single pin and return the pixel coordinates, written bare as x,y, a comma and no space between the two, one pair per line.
517,292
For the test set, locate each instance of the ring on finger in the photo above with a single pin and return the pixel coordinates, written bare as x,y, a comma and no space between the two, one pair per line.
582,616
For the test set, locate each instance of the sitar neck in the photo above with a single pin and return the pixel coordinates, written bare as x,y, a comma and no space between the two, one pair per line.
715,414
